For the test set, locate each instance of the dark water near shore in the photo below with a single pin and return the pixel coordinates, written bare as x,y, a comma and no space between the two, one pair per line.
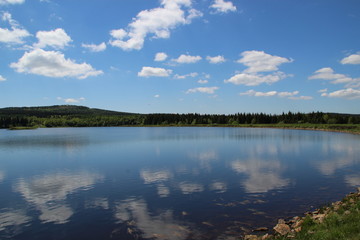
166,183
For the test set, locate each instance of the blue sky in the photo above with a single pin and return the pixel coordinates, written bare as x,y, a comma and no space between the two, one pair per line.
181,56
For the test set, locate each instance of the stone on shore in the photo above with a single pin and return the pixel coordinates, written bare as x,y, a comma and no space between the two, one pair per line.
282,229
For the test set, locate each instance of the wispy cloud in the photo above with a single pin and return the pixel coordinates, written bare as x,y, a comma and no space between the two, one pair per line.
71,100
290,95
201,81
194,74
256,79
16,34
6,2
208,90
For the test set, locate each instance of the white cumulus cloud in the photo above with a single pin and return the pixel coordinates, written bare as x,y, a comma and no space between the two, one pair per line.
352,59
52,64
57,39
154,72
348,93
187,59
255,79
330,75
259,61
215,60
222,6
15,34
160,56
95,48
2,78
5,2
208,90
156,22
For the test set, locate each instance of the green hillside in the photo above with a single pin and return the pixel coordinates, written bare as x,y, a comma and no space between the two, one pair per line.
58,110
80,116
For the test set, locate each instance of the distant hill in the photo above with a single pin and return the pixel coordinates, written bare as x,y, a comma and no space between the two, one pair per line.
80,116
59,110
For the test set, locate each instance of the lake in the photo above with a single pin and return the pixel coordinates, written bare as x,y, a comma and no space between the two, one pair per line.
167,183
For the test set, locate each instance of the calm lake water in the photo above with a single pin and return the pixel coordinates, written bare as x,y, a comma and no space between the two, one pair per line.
166,183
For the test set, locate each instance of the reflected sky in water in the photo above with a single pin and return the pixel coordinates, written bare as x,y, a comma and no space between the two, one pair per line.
166,183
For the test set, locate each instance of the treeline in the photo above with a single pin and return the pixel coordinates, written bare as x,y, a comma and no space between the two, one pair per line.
251,118
70,121
92,120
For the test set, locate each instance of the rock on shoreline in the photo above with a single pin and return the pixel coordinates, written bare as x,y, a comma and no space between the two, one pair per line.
289,229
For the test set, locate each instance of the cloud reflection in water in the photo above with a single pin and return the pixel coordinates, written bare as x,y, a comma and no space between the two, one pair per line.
189,188
205,158
162,226
338,157
263,176
157,177
353,180
2,176
11,218
48,193
218,187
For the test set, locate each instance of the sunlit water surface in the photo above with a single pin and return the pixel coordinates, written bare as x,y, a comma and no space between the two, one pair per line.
166,183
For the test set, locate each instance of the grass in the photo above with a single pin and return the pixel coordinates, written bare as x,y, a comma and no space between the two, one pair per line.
342,223
23,128
349,128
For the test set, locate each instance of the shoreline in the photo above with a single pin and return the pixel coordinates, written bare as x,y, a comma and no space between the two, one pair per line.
352,129
338,220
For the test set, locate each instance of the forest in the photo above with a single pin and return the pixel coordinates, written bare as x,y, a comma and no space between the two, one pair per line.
80,116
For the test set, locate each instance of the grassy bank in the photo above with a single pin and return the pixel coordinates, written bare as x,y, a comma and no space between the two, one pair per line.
348,128
24,128
339,221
